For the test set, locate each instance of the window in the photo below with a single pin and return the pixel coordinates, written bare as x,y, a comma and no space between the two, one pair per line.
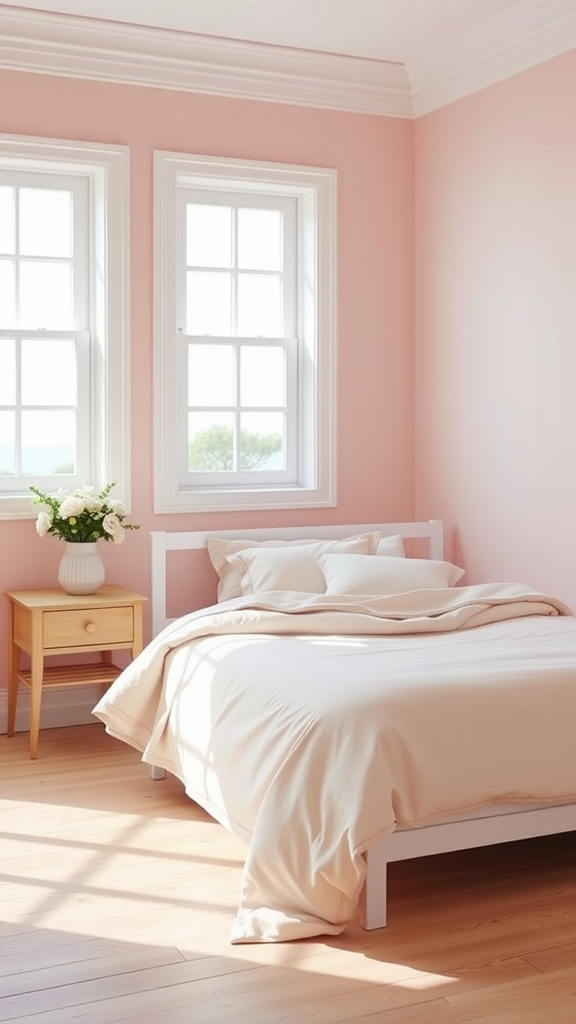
63,327
244,339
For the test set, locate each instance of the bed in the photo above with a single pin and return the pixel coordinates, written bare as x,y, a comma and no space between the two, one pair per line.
346,703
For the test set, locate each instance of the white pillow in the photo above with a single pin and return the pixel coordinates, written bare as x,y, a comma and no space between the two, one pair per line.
392,545
347,574
292,566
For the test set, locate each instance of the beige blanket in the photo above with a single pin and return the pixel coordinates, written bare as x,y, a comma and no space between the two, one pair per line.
310,725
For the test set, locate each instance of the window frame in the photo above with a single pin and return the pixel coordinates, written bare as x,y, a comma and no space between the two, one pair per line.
107,170
315,192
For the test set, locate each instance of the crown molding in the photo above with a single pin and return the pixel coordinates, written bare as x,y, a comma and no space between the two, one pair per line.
79,47
508,45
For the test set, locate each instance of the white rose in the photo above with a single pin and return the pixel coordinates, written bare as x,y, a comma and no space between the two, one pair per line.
113,526
43,523
72,506
92,503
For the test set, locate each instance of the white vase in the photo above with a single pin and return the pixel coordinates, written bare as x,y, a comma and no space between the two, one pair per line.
81,569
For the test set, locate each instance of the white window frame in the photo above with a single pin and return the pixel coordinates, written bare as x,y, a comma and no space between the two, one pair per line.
315,191
107,170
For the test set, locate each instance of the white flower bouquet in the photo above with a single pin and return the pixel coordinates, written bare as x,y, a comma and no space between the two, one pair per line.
82,516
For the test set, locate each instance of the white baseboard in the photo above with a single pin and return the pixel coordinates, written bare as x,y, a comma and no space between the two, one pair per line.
70,706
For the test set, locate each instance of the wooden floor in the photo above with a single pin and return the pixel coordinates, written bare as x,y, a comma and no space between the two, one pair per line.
117,893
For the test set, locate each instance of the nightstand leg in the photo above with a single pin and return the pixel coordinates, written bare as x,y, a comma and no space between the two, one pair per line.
138,643
14,654
37,671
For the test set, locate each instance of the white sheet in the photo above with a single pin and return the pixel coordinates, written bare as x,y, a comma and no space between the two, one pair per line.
309,746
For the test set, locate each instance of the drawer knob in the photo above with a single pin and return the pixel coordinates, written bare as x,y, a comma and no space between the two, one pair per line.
90,627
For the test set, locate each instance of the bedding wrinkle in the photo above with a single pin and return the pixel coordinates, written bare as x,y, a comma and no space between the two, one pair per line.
311,724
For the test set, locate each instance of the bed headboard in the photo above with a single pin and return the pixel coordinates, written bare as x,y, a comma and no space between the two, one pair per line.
431,530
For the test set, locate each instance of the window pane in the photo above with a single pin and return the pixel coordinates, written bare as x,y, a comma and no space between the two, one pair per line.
208,303
208,236
210,375
7,221
7,371
262,444
46,294
259,306
7,444
48,442
7,304
210,442
259,239
49,372
262,377
45,222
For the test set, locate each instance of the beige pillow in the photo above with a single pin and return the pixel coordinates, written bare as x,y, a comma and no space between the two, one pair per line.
241,572
392,545
347,574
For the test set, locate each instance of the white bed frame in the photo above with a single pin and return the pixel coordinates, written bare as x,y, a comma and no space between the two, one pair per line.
486,828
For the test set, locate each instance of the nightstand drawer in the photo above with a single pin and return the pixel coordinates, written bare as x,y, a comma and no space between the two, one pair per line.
89,626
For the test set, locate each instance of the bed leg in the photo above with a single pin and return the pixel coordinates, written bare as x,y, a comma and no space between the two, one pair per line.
373,897
157,773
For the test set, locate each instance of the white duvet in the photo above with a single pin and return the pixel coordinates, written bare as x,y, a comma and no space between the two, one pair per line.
310,725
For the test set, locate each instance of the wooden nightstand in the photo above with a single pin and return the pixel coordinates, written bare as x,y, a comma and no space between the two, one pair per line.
48,622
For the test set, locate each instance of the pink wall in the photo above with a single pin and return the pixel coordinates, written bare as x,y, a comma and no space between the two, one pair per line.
494,407
374,158
496,327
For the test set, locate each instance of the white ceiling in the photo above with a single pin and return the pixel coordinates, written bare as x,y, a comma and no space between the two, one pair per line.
401,57
389,30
